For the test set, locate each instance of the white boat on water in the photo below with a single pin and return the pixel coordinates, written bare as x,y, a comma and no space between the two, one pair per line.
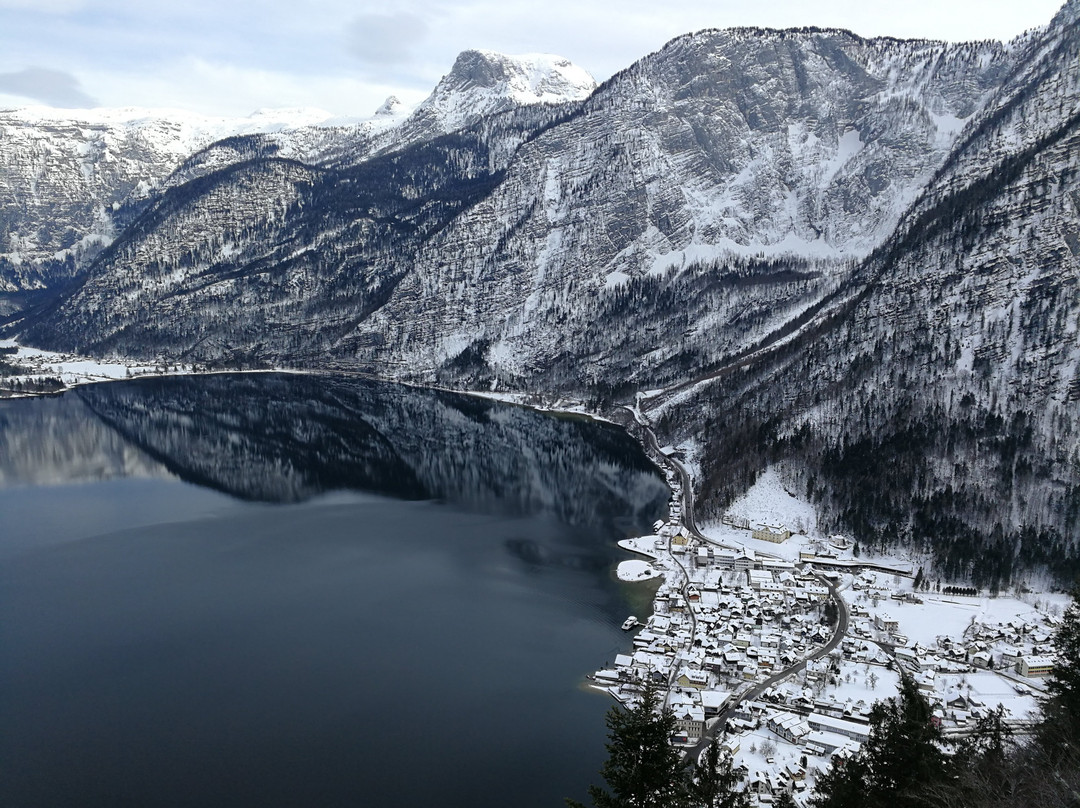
630,622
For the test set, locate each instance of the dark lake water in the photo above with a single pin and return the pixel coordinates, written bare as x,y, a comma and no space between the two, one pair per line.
276,590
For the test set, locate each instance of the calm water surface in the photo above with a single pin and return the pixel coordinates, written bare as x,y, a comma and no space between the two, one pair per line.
272,590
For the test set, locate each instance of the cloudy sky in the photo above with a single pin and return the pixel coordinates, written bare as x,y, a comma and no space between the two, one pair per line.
230,57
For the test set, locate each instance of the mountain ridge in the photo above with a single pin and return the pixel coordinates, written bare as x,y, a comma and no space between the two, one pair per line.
89,173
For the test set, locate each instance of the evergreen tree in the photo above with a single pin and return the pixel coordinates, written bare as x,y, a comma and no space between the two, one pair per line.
783,800
643,769
901,758
1062,710
831,613
981,771
1053,761
715,784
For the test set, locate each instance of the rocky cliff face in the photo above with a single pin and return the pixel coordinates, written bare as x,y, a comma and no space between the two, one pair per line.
933,402
742,171
71,180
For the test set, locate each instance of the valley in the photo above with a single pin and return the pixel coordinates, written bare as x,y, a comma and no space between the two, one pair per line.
830,284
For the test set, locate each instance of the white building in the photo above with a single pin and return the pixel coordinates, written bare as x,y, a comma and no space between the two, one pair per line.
838,726
1032,666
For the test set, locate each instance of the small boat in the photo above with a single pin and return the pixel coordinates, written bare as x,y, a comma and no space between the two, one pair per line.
629,623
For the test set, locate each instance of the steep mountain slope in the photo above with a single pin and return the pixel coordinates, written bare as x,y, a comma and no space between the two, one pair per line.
71,181
724,146
711,160
936,402
66,177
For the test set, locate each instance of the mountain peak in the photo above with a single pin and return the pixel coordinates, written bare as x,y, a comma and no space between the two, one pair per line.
391,106
528,78
484,82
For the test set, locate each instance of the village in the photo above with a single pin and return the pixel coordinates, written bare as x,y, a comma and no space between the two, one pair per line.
778,643
28,372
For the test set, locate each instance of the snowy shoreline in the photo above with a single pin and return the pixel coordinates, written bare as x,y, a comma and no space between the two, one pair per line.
735,612
72,370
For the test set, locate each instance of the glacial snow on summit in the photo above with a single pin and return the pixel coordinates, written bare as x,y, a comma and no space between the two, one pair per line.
484,83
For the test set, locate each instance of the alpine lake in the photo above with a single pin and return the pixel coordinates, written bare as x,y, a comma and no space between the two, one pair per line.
297,590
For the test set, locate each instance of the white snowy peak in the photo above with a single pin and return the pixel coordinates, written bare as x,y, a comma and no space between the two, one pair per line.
484,82
391,106
182,126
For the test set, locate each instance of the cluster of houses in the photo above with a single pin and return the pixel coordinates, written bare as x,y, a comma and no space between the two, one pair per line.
806,723
727,618
735,619
809,729
782,748
1023,647
1018,646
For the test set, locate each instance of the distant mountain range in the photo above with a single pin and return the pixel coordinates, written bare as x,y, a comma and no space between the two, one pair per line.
857,258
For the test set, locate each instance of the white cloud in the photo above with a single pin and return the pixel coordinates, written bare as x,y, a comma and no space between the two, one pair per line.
44,6
227,89
347,55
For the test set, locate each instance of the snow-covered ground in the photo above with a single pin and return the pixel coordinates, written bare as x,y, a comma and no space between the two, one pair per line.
938,615
554,404
637,570
861,684
74,370
768,501
650,546
730,536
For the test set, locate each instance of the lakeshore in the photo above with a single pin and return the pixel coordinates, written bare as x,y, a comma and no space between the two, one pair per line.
739,637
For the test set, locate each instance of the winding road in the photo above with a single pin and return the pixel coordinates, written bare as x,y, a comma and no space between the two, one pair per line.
755,692
652,446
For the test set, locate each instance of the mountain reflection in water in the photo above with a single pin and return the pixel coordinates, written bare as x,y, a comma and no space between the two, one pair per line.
254,638
286,438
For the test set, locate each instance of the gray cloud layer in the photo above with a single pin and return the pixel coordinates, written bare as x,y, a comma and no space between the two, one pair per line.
385,38
52,87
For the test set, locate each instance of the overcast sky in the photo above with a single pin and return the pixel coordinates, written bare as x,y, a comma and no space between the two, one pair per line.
230,57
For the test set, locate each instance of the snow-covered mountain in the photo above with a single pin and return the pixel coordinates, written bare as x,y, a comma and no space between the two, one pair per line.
444,254
65,175
71,180
933,401
857,258
483,83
